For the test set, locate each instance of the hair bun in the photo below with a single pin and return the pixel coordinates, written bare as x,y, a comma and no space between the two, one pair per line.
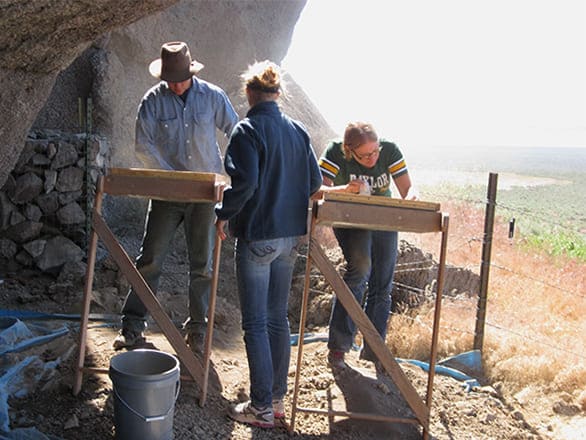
264,76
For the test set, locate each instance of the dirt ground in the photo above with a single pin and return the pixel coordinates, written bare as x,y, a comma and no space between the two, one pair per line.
485,412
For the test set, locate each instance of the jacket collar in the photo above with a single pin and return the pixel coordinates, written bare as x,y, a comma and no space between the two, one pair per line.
264,107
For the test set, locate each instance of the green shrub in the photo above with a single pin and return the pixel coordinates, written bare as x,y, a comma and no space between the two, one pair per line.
559,243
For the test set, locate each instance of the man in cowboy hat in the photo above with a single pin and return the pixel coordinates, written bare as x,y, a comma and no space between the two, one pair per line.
176,130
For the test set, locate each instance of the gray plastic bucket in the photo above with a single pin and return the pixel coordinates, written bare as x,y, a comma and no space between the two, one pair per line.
146,386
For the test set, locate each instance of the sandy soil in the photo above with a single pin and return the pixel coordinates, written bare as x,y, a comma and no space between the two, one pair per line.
483,413
486,412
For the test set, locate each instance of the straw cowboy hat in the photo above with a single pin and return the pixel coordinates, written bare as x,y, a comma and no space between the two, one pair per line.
175,64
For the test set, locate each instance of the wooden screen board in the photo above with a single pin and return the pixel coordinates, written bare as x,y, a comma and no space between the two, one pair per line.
180,186
378,213
419,205
375,213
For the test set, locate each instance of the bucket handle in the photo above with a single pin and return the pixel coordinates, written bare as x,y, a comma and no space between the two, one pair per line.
152,418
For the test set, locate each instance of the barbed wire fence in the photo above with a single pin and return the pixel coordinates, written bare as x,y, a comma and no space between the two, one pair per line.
486,265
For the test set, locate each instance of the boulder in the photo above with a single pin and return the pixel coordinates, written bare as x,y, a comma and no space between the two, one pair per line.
59,251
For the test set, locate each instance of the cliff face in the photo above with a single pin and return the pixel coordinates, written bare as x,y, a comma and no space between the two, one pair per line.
39,39
56,53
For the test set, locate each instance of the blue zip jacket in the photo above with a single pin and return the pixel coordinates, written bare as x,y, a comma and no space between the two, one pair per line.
274,171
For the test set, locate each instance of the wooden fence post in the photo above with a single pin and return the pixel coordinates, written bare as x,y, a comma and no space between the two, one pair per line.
485,264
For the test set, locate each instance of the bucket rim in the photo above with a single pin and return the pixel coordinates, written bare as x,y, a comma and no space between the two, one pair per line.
116,368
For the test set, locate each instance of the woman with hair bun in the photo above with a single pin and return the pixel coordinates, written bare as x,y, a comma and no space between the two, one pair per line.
274,172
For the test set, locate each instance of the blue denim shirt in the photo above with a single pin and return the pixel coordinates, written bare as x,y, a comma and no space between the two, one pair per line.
274,171
181,136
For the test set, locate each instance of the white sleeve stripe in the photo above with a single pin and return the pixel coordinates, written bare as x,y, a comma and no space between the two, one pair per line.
328,173
329,162
396,162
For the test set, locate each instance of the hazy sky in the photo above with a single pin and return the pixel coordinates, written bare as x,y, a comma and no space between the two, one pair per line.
449,72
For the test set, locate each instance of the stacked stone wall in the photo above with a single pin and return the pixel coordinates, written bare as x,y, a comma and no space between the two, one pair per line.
45,203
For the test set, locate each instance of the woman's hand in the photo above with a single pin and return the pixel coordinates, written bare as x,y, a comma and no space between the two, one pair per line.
354,186
318,195
220,229
412,194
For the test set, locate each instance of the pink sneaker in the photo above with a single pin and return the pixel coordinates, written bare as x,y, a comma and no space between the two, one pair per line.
245,412
278,408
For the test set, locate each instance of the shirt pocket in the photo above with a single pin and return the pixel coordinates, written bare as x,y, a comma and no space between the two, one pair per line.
168,130
204,129
204,118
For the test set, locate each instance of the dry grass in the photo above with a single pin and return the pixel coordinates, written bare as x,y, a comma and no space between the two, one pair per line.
535,332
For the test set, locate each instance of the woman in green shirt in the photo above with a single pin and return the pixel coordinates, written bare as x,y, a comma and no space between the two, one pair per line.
364,164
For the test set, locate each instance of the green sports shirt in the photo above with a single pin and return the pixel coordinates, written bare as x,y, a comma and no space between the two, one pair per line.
390,164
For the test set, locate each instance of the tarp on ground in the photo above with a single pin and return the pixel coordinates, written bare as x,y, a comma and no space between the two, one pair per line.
18,377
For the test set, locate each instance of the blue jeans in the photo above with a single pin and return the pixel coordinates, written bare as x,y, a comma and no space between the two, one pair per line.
264,270
370,264
162,221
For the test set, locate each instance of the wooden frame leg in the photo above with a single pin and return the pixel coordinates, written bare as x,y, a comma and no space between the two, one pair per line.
87,294
218,194
144,292
211,314
436,316
434,222
136,182
302,319
369,332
